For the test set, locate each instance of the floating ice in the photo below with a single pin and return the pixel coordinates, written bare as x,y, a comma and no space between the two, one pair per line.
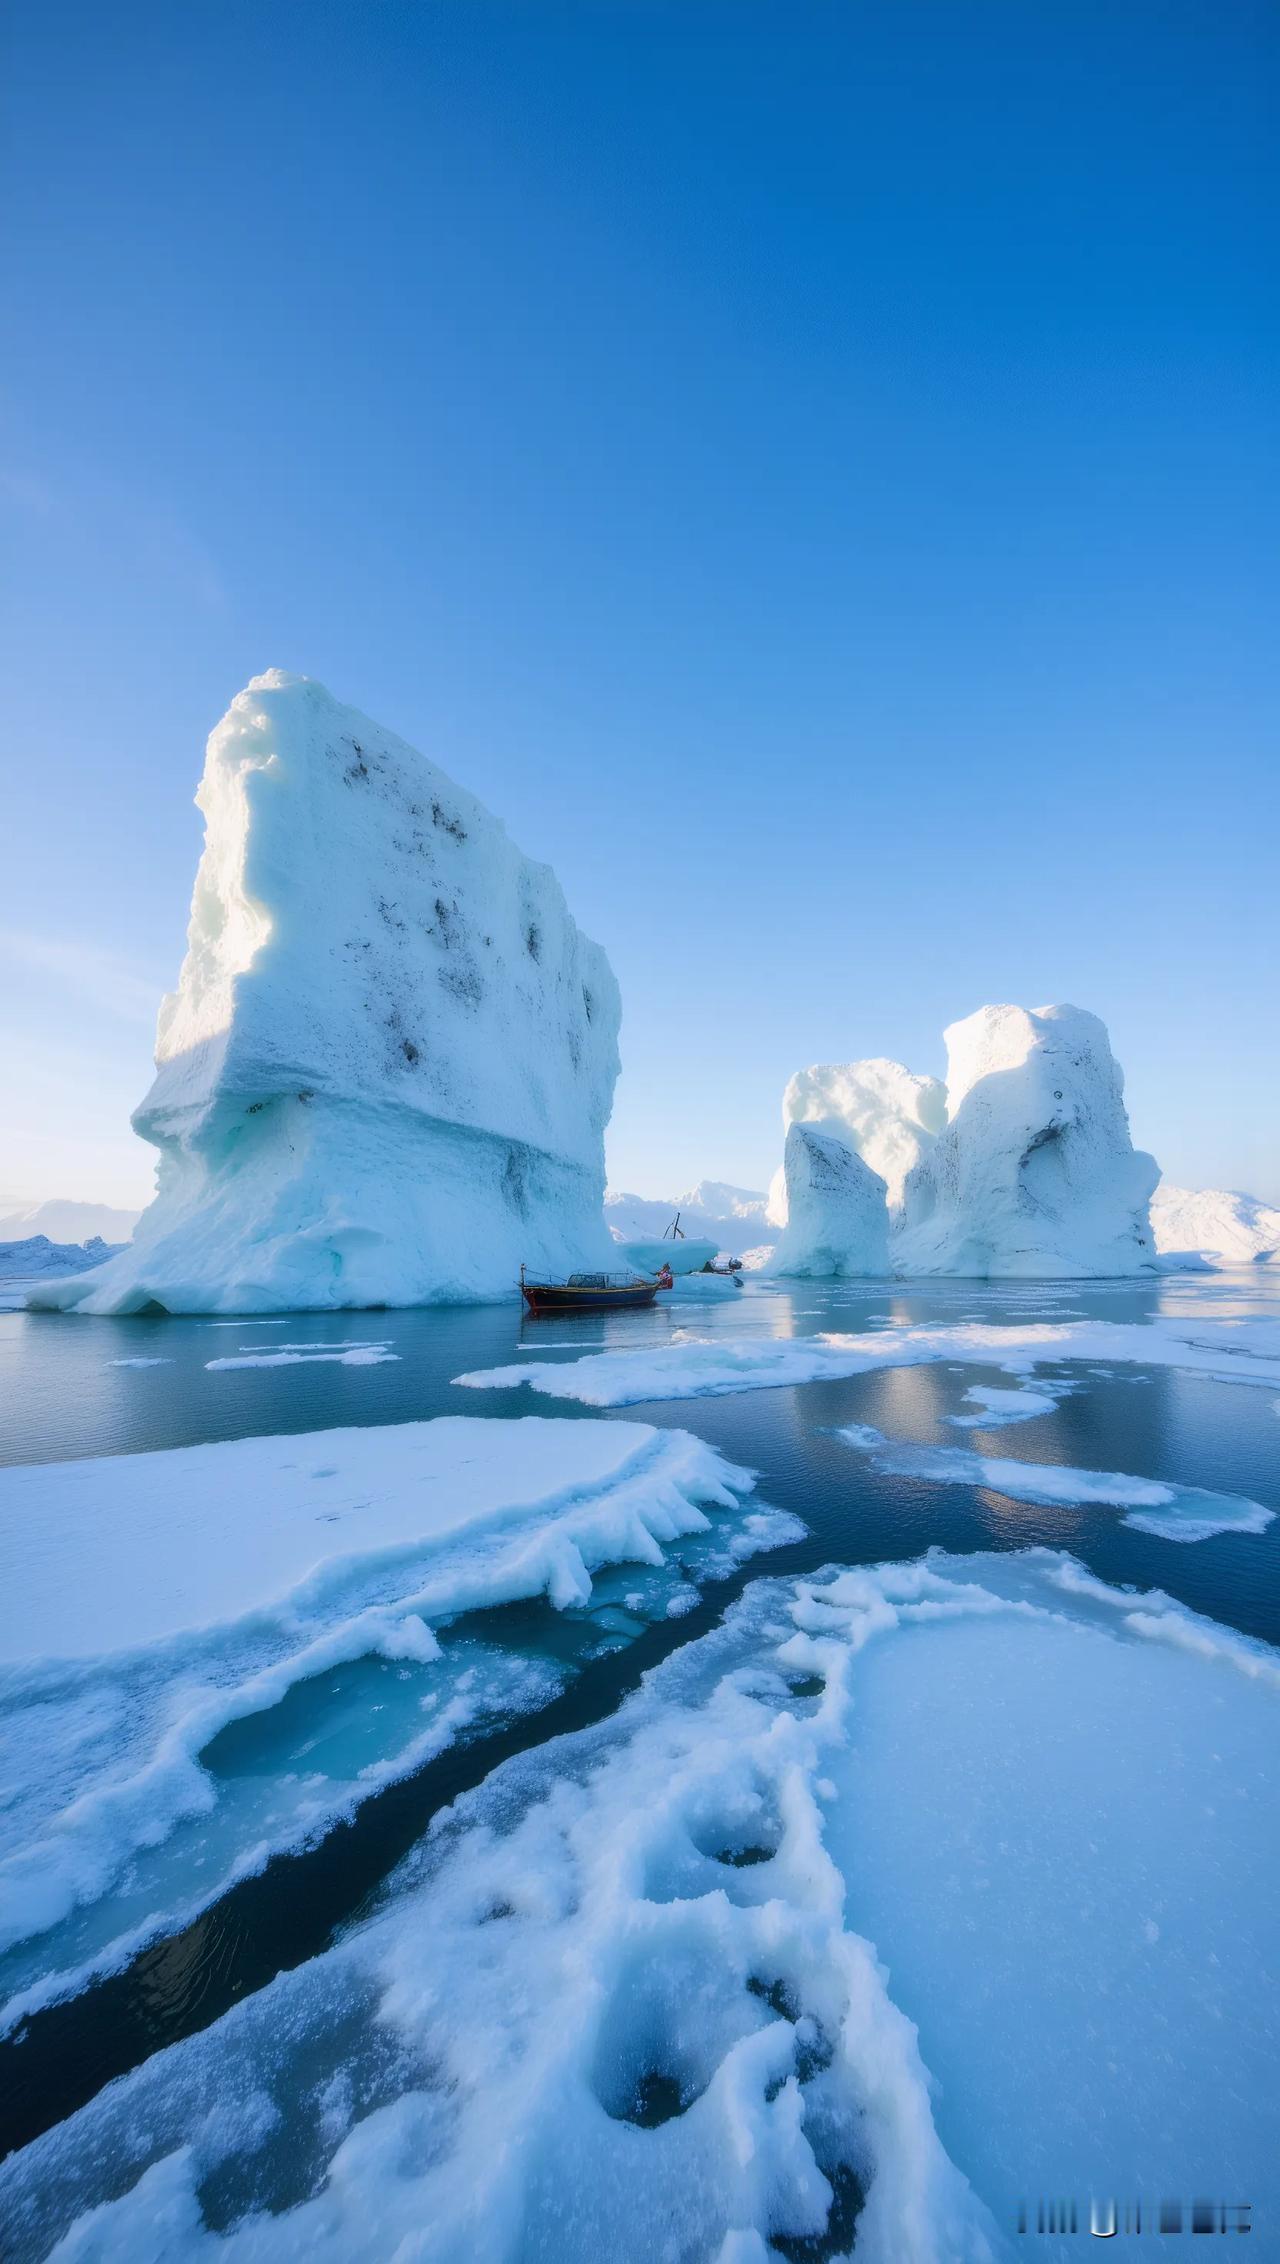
1176,1513
995,1406
296,1355
697,1367
166,1596
386,1072
884,1908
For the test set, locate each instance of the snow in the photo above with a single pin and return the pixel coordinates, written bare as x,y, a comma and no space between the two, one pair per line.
889,1116
1176,1513
385,1075
837,1217
730,1217
896,1889
698,1367
1035,1174
1210,1222
167,1595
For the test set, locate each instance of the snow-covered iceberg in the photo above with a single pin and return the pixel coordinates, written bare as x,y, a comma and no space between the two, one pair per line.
385,1075
907,1895
837,1214
1035,1174
886,1114
1213,1222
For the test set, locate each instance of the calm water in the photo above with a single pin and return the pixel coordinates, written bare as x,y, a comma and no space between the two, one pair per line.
62,1395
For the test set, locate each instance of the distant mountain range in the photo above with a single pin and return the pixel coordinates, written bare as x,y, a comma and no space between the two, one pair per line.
68,1222
731,1217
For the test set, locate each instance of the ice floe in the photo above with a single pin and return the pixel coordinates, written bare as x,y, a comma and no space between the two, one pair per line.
696,1367
994,1405
169,1596
1176,1513
907,1895
295,1355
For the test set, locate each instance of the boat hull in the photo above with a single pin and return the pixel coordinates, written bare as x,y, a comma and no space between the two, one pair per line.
550,1297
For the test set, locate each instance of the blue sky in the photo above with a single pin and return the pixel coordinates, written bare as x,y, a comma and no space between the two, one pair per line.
810,468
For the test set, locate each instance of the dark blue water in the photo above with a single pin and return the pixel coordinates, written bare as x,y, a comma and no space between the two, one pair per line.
62,1395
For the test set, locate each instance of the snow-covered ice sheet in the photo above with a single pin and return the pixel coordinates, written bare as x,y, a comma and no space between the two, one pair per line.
1176,1513
896,1898
167,1596
695,1367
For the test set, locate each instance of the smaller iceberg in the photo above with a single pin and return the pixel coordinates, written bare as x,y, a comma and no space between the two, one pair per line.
1035,1174
837,1215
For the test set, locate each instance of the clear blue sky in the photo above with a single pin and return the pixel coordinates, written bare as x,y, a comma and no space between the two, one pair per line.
810,468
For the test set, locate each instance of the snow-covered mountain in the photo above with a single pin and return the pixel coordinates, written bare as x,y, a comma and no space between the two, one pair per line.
731,1217
64,1221
1239,1230
385,1074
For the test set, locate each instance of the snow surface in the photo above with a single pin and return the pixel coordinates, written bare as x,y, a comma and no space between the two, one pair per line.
385,1075
698,1367
889,1116
167,1595
1211,1222
837,1217
1176,1513
1035,1174
895,1886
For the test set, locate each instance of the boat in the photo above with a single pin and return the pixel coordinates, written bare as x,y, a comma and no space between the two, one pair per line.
587,1293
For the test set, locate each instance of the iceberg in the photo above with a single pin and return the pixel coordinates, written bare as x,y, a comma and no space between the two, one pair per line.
886,1114
1035,1174
1213,1222
908,1894
385,1075
837,1214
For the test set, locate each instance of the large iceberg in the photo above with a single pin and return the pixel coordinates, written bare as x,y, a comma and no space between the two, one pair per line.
385,1075
1035,1173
